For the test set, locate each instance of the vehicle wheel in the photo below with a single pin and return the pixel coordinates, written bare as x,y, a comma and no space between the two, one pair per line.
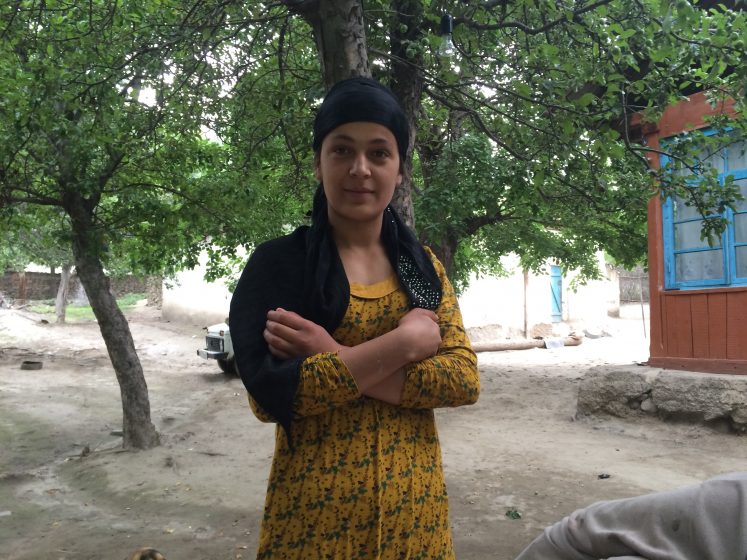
228,366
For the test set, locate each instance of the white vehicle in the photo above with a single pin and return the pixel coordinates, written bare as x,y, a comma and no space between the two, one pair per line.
218,347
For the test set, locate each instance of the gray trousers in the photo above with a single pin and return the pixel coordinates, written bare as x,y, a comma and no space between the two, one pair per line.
707,521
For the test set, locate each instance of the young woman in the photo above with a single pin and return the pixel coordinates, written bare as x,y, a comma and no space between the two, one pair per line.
348,334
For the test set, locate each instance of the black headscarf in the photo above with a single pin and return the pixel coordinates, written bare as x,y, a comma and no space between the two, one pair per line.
362,99
302,272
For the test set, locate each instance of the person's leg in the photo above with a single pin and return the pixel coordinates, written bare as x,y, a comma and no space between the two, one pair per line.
707,521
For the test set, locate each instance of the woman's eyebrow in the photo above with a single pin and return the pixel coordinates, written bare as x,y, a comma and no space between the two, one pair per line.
346,138
382,141
341,136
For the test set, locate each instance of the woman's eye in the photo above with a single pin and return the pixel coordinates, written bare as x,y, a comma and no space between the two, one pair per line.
381,154
340,150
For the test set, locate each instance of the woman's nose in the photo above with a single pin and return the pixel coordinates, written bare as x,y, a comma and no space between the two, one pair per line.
360,167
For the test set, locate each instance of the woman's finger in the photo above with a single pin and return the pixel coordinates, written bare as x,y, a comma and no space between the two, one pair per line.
430,314
274,341
281,331
281,347
278,353
287,318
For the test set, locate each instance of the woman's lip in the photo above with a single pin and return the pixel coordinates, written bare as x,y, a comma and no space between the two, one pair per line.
358,191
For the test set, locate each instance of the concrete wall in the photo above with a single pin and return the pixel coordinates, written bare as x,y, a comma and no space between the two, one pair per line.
499,301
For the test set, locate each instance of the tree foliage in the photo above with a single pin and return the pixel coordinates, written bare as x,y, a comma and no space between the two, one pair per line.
38,235
503,208
540,94
553,86
101,121
523,140
549,85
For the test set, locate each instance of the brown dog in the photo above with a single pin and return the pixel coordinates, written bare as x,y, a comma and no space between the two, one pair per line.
146,553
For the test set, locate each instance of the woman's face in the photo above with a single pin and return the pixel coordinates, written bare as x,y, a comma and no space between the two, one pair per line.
358,163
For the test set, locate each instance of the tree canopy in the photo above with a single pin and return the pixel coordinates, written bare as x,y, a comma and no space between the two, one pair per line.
523,137
544,88
101,123
152,130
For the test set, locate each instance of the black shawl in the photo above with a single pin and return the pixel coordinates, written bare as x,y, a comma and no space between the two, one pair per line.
302,272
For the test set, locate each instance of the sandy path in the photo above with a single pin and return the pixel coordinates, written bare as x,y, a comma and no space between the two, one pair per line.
200,494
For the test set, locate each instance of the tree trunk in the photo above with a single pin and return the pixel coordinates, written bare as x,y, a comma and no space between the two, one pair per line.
498,346
340,37
60,305
445,251
407,85
138,430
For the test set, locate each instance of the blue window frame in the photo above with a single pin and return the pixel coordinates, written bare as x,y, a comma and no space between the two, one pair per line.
690,262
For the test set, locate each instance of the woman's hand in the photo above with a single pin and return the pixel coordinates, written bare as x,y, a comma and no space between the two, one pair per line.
421,335
291,336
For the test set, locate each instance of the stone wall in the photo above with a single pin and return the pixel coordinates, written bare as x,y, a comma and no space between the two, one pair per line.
716,400
21,287
154,291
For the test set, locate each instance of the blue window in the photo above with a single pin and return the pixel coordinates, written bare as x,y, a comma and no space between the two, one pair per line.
689,261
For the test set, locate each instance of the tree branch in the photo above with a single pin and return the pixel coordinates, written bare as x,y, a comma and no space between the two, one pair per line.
476,119
31,198
525,28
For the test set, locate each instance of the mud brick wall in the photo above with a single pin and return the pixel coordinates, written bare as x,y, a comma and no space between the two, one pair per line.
31,286
22,286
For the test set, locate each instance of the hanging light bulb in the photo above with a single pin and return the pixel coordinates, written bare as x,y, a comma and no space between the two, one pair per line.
446,49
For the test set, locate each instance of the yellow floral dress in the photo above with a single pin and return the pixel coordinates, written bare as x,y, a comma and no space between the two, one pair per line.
365,479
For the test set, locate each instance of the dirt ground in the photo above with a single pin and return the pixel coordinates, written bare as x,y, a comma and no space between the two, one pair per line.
67,491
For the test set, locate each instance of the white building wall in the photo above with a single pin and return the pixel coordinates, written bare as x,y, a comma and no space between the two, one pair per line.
495,301
500,302
190,299
490,301
592,302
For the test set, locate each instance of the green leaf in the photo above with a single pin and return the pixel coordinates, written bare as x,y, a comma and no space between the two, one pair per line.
513,513
586,99
523,89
